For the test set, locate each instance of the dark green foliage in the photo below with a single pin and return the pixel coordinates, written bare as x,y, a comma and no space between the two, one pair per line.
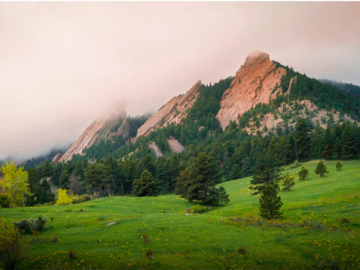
302,140
24,226
303,173
270,203
45,195
222,196
321,169
339,166
288,182
203,176
266,171
322,95
146,185
4,201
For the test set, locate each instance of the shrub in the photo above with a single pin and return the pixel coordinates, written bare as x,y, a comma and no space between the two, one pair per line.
339,166
38,224
67,210
288,182
13,247
4,201
23,226
145,238
86,197
63,198
72,255
321,169
54,238
163,211
303,173
81,210
344,221
149,254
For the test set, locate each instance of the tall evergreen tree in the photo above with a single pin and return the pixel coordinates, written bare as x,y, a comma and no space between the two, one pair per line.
270,203
266,171
204,175
302,140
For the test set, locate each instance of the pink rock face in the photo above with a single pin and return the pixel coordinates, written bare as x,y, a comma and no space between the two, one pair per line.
94,131
171,112
57,158
252,84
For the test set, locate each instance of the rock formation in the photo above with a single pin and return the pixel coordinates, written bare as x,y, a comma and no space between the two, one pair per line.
171,112
57,158
110,123
156,149
174,145
253,83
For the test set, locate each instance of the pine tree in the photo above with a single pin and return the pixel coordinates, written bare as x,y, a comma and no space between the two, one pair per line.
266,171
302,140
222,196
288,182
146,185
303,173
270,203
339,166
321,169
46,195
204,175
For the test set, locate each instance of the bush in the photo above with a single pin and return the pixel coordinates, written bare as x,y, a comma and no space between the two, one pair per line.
288,182
72,255
4,201
344,221
54,238
86,197
321,169
13,247
38,224
149,254
63,198
339,166
303,174
23,226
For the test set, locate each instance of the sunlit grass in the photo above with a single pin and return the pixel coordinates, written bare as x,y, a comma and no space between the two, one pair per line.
199,241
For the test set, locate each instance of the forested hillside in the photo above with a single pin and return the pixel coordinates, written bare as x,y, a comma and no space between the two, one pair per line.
111,167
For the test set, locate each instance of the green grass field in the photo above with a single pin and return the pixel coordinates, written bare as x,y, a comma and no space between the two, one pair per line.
206,241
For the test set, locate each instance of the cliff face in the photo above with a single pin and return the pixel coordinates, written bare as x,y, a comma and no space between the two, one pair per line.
253,83
111,123
171,112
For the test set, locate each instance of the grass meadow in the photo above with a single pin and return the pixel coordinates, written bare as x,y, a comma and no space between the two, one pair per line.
320,229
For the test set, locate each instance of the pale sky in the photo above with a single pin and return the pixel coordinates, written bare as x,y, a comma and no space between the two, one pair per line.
63,63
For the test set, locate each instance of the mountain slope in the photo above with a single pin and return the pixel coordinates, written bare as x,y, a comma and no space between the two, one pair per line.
172,112
110,123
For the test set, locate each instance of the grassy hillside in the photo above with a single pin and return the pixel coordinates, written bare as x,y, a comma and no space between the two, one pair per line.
206,241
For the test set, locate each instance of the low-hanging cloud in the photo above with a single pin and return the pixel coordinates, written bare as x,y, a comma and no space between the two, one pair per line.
62,64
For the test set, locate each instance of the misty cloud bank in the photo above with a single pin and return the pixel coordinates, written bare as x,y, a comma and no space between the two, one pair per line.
63,64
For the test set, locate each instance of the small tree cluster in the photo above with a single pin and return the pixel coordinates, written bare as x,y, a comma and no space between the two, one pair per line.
303,173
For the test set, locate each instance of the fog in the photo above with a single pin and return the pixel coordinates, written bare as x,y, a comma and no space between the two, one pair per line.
62,64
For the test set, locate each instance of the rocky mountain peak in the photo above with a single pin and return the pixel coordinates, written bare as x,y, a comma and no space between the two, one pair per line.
253,83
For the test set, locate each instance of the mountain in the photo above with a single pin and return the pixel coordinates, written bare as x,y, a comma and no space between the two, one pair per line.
109,124
252,84
172,112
